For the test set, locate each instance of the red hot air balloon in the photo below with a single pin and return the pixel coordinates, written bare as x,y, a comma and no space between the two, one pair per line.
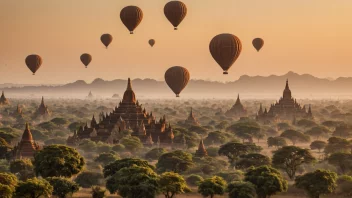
225,49
258,43
33,62
86,59
177,78
175,12
131,17
106,39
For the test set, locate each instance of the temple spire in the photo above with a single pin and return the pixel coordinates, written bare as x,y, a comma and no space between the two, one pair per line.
129,85
27,135
201,152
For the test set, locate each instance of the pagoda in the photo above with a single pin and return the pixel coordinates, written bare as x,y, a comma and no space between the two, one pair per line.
3,99
201,151
191,120
237,109
17,112
42,110
90,95
26,147
128,115
286,109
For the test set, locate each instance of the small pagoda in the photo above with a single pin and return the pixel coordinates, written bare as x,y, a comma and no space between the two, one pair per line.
237,109
43,110
90,95
18,112
201,151
3,99
26,147
192,120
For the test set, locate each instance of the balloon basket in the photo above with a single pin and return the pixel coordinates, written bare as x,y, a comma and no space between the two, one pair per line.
225,72
175,28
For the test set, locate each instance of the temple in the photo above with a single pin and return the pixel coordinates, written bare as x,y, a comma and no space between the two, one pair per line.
3,99
192,120
129,115
286,109
26,147
42,110
237,109
90,95
201,151
17,112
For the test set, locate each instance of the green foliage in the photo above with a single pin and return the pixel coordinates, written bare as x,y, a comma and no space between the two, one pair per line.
241,190
8,179
283,126
59,121
246,130
5,191
88,179
317,183
62,186
212,186
4,166
4,148
268,181
252,159
344,131
336,144
49,126
344,186
134,181
87,145
215,137
198,129
343,161
208,165
318,132
289,158
8,137
155,153
332,123
98,192
103,147
213,151
194,180
112,168
233,150
232,176
106,158
38,135
295,136
53,141
23,168
176,161
118,148
34,188
74,126
58,160
276,142
318,145
132,143
171,184
306,123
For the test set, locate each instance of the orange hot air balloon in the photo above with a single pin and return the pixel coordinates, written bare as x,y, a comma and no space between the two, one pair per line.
34,62
86,59
175,12
177,78
225,49
131,17
258,43
151,42
106,39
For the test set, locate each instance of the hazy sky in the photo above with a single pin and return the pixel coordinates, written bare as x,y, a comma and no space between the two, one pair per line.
305,36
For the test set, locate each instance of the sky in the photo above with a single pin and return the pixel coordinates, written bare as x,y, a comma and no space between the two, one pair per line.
304,36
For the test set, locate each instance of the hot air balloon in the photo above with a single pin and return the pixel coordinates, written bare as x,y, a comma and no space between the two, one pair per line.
106,39
175,12
151,42
33,62
258,43
225,49
131,17
177,78
86,59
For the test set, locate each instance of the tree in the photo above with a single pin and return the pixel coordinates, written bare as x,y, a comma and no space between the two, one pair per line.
62,186
74,126
317,183
171,184
306,123
295,136
289,158
194,180
98,192
58,160
8,137
34,188
241,190
233,150
59,121
231,176
245,130
215,137
49,126
318,132
343,161
252,159
344,184
106,158
283,126
276,142
9,180
212,186
88,179
22,167
176,161
155,153
112,168
336,144
318,145
134,181
268,181
343,131
132,143
198,129
4,148
5,191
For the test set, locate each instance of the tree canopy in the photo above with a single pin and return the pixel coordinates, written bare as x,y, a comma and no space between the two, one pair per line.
171,184
106,158
112,168
212,186
241,190
343,161
276,142
34,188
62,186
295,136
177,161
233,150
252,159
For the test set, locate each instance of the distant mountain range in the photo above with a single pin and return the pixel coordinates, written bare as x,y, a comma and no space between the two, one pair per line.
302,86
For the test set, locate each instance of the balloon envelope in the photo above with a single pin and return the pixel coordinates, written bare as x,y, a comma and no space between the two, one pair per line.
106,39
258,43
175,12
33,62
152,42
86,59
177,78
225,49
131,17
